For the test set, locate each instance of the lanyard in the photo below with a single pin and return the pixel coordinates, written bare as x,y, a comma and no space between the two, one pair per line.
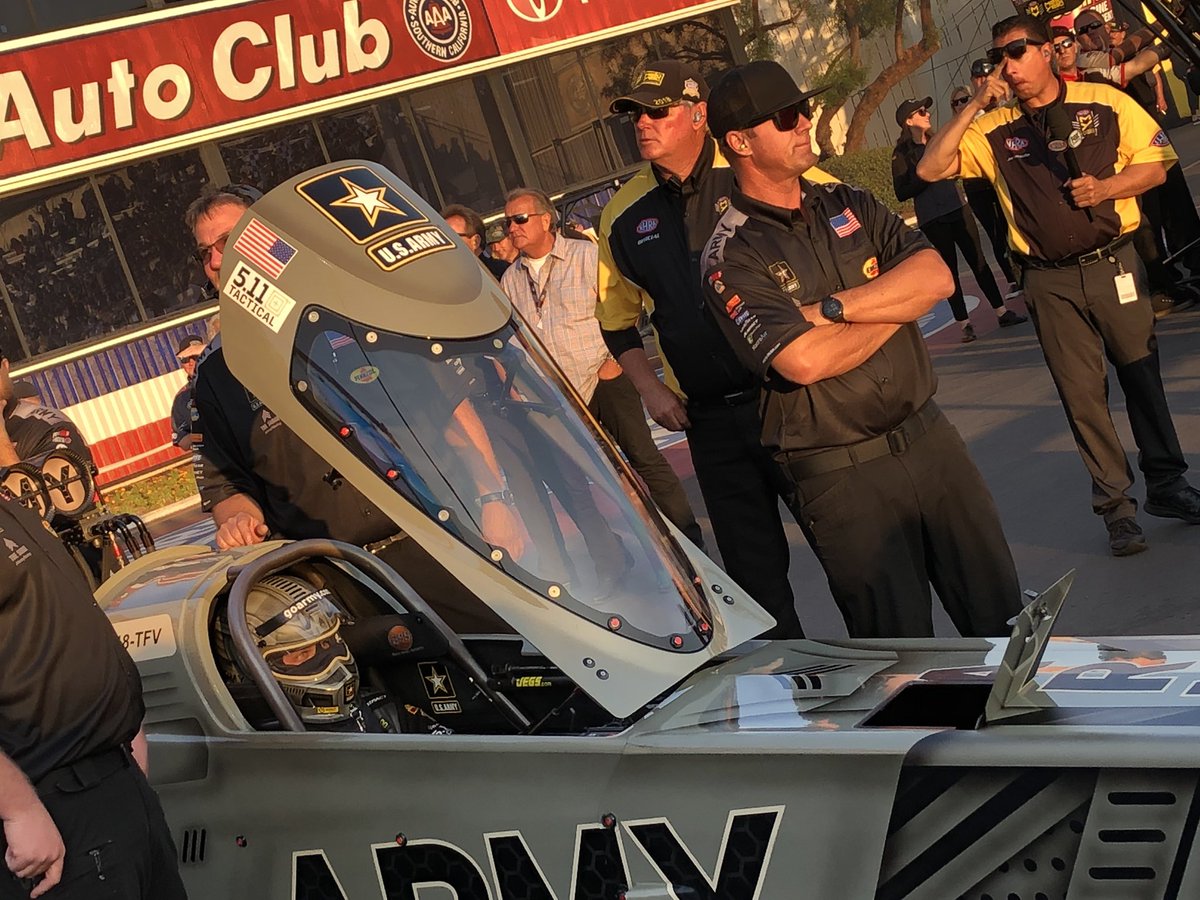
539,293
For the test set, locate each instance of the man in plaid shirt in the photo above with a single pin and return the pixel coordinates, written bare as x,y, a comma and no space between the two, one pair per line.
553,285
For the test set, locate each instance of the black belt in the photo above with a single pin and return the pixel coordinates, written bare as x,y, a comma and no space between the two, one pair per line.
894,442
735,398
1080,259
85,773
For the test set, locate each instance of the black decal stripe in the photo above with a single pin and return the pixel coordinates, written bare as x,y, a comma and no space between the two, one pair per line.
517,876
970,830
917,789
313,878
1183,852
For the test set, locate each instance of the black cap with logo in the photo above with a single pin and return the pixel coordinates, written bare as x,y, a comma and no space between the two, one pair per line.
752,93
910,106
662,82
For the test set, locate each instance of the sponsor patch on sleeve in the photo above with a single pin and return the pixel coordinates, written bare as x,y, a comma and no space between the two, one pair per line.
1160,139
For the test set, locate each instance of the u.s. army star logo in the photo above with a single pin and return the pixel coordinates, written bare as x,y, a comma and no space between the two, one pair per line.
370,202
783,274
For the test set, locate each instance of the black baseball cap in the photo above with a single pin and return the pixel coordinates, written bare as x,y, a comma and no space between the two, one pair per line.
24,390
189,346
662,82
752,93
910,106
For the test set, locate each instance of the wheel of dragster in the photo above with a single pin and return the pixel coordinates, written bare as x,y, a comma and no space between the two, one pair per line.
245,577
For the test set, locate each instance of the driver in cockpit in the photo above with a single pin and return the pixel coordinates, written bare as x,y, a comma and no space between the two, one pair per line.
298,631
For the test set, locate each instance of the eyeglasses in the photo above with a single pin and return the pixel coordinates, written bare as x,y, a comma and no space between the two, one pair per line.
519,218
635,111
202,253
958,101
1089,27
1064,44
788,118
1013,50
184,360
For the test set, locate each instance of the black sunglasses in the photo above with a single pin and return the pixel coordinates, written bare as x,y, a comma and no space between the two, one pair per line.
958,101
1064,44
520,218
1013,50
788,118
1089,27
635,111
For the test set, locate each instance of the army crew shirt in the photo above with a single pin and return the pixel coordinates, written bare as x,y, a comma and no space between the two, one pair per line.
68,689
764,262
1011,148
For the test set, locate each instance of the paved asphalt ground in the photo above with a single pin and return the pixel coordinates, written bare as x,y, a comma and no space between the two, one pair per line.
999,394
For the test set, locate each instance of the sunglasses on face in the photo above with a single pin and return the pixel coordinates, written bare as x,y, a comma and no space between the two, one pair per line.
635,111
202,253
184,360
1064,44
1013,50
1089,27
519,219
787,118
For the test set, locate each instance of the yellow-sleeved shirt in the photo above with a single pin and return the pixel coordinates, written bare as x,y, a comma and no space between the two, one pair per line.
1011,148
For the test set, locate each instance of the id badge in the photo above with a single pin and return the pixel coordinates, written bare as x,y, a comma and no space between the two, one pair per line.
1126,288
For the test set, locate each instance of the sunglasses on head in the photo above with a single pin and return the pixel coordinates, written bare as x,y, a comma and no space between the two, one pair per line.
1089,27
635,111
958,101
202,253
788,118
1013,50
519,218
1064,44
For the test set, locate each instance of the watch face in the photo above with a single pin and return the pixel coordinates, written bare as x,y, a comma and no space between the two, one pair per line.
831,308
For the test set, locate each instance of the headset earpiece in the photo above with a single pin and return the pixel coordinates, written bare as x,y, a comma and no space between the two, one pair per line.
697,116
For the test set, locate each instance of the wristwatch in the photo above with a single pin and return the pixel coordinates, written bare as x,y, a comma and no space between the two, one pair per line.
831,308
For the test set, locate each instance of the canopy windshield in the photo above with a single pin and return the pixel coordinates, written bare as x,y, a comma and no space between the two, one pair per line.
486,439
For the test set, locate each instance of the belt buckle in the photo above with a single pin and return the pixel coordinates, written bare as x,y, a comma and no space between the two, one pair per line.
898,441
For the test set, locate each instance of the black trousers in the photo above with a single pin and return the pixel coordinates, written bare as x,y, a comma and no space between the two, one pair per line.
1171,213
887,529
1080,323
986,207
118,843
617,406
742,486
958,230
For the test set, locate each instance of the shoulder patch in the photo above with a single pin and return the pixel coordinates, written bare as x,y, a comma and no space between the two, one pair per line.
714,250
1160,139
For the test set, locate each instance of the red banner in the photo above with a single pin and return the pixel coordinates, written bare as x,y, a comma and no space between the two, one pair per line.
523,24
165,81
89,95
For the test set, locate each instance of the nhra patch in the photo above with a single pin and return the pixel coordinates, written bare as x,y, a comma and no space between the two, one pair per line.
441,28
1160,139
1087,123
647,225
259,297
1015,144
359,203
401,249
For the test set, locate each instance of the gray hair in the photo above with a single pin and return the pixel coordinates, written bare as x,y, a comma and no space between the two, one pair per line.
540,198
240,195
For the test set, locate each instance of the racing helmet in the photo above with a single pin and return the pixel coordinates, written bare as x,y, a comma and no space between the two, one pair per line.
296,627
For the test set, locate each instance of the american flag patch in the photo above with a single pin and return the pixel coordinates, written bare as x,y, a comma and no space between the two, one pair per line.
263,247
845,223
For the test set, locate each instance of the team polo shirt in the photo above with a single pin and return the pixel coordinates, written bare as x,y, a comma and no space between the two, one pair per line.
763,263
1010,148
652,234
36,430
68,689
